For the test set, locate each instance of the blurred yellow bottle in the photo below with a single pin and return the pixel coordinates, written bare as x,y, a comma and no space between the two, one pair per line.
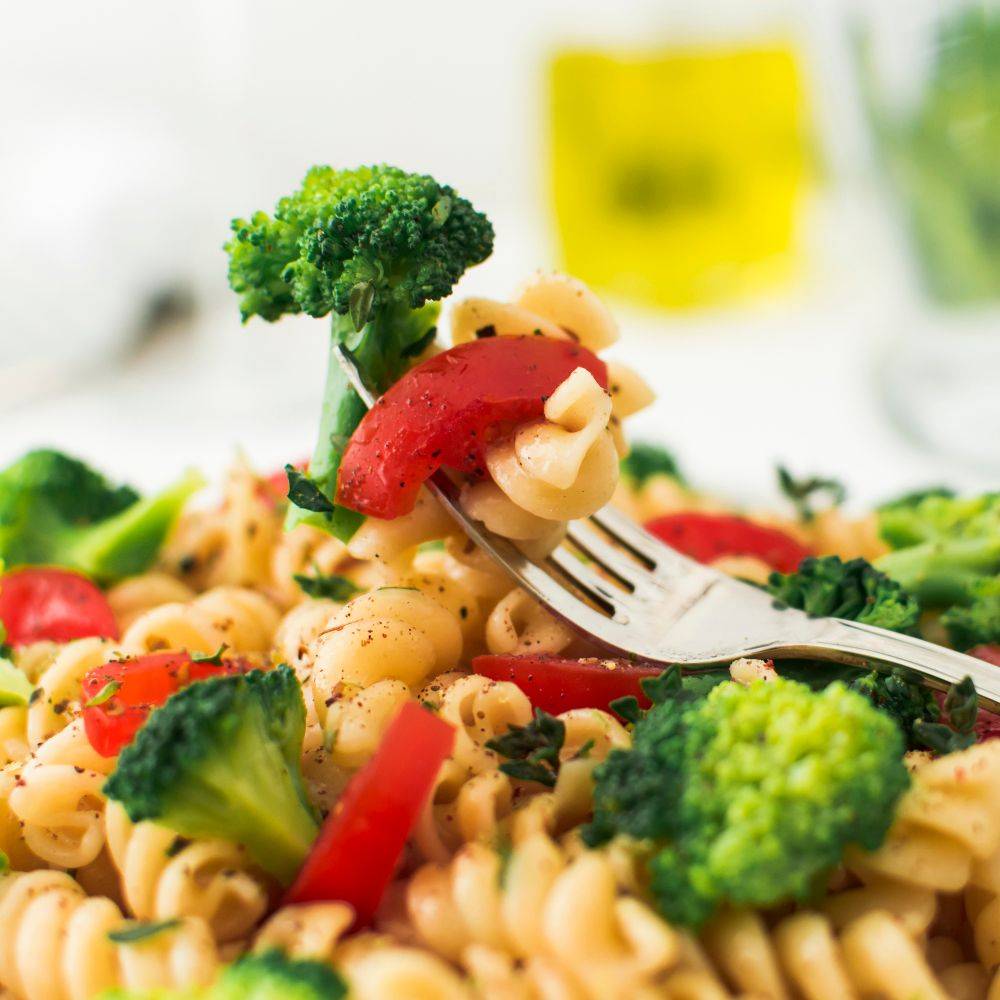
677,174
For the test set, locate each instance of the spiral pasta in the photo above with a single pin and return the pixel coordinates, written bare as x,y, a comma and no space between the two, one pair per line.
562,919
57,696
165,876
230,545
58,799
237,617
945,823
519,624
54,943
551,471
394,633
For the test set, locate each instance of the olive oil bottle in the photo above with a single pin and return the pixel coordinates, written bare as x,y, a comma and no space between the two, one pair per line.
677,174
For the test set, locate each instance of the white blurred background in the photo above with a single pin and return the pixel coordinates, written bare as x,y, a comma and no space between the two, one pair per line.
131,133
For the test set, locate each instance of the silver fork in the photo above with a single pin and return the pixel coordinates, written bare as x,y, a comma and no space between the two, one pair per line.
624,589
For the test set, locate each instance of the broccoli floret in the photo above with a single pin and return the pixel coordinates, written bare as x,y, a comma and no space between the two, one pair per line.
376,247
55,509
979,623
945,546
829,587
645,461
750,794
221,759
906,701
271,975
274,976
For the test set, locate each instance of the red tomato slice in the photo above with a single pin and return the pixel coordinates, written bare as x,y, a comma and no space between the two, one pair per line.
556,685
143,684
357,850
45,602
706,537
446,410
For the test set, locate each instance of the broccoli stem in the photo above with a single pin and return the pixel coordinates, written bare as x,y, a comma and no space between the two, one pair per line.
274,824
127,543
379,350
942,573
342,412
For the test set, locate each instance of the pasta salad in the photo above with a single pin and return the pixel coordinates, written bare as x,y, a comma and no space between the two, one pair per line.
304,740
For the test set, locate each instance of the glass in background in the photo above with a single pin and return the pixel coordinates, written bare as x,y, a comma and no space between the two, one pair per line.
930,80
678,168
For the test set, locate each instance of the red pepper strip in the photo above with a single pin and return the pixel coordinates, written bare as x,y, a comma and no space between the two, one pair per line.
137,687
446,411
357,850
556,685
46,602
987,723
989,653
706,537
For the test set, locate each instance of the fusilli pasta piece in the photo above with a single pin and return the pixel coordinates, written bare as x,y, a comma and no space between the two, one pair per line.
54,943
519,624
165,876
59,802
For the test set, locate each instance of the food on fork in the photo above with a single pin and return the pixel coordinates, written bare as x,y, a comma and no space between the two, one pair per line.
319,745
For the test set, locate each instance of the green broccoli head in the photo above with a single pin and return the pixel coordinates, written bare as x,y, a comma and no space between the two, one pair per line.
855,590
646,461
376,247
270,975
354,242
977,624
56,509
750,794
944,546
221,759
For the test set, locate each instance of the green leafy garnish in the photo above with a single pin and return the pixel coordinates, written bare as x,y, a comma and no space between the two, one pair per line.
336,588
142,930
104,695
802,492
532,751
961,706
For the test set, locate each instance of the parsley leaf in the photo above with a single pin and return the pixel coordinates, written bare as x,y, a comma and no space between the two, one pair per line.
532,751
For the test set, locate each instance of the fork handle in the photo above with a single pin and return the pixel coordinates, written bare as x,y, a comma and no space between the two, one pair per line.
857,644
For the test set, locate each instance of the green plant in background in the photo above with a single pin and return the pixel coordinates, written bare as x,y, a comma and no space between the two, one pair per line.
943,156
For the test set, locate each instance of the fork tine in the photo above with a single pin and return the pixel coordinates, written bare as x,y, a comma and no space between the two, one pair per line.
662,561
611,558
592,584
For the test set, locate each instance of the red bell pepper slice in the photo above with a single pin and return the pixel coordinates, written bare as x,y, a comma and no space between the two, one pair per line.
128,690
706,537
46,602
989,653
446,411
556,685
357,850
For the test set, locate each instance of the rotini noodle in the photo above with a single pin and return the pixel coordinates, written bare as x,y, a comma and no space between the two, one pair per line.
54,943
165,876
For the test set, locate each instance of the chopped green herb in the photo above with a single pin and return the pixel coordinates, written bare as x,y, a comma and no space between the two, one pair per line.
141,930
304,493
532,751
213,658
802,491
336,588
104,695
